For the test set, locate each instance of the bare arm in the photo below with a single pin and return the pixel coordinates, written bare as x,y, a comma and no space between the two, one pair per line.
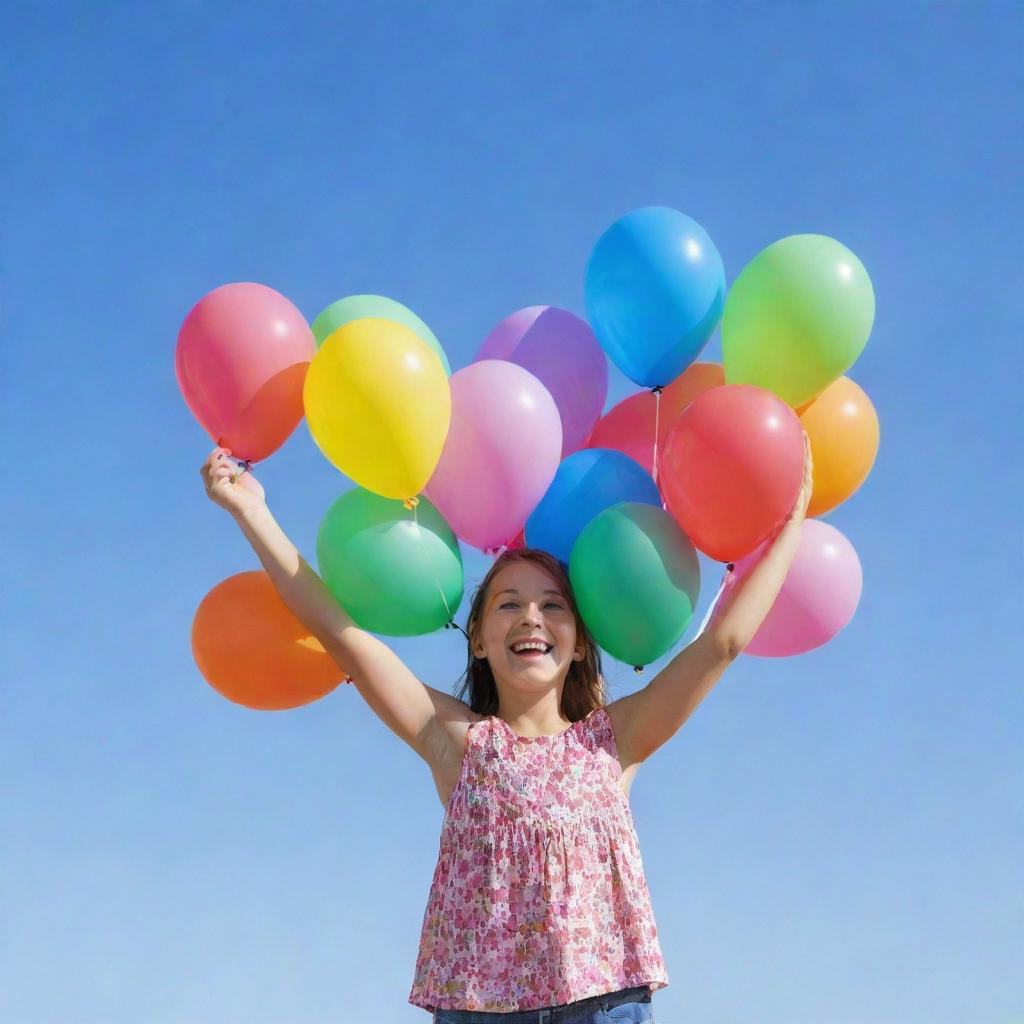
645,720
425,718
746,604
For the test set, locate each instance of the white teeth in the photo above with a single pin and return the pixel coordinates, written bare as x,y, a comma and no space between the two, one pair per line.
531,645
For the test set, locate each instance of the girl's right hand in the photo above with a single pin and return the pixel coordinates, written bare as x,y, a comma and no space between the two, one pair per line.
228,487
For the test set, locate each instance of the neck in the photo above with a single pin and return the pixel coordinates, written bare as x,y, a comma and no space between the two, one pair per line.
533,715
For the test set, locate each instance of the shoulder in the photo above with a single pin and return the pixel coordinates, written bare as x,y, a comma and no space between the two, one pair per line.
609,721
607,724
595,726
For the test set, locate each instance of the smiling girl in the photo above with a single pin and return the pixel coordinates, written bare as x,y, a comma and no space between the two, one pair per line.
538,910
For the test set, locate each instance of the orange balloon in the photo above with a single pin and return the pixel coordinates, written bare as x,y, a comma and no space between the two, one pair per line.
842,426
629,426
251,649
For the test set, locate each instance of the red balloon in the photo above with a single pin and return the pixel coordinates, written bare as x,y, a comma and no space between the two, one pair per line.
629,426
732,469
241,362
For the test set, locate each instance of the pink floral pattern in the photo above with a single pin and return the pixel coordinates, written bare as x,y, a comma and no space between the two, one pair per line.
539,896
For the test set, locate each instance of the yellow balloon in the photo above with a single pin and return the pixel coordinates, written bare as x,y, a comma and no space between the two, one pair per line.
378,405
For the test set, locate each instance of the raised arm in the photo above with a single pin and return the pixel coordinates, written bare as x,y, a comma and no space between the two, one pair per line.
644,720
428,720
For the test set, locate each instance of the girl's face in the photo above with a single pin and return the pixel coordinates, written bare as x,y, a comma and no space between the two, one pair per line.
527,629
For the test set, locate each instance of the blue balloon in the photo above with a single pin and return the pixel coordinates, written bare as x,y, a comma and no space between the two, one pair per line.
655,290
585,484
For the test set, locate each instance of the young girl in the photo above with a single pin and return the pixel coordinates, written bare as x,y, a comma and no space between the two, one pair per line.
539,910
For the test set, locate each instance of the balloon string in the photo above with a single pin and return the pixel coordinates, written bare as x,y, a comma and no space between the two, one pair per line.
451,623
727,579
657,426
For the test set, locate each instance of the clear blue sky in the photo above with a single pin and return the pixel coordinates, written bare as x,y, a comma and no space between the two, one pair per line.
834,838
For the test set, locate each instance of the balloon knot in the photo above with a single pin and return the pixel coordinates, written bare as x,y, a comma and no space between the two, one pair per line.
731,567
638,669
348,679
411,503
657,390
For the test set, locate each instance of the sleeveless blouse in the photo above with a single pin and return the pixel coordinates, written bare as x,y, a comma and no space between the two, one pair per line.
539,896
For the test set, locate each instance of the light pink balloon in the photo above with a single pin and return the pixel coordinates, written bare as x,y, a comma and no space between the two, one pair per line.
560,350
504,445
817,599
241,361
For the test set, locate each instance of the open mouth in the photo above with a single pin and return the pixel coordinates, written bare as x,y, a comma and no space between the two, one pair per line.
531,649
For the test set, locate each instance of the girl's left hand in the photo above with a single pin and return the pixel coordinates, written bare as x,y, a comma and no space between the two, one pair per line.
807,486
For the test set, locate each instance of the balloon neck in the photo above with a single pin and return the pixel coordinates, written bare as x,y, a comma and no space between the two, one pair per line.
658,390
410,503
496,551
638,669
245,465
241,467
348,679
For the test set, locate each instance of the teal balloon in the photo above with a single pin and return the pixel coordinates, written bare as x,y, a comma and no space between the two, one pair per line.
387,570
636,579
358,307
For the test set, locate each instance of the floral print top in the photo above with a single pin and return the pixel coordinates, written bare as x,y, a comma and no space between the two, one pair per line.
539,896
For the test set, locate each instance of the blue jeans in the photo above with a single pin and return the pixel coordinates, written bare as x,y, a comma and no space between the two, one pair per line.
627,1006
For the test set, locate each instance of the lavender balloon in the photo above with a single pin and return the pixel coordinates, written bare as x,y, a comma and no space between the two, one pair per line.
817,599
560,350
502,451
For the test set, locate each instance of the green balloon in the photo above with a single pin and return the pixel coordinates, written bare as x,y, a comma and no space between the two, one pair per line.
636,578
387,570
797,317
357,307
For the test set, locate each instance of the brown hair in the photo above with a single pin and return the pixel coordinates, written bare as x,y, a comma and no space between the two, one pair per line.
584,685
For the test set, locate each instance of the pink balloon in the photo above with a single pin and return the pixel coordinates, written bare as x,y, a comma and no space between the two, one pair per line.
503,447
241,361
818,598
560,350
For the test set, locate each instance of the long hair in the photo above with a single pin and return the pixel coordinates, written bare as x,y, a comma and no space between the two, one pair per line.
584,685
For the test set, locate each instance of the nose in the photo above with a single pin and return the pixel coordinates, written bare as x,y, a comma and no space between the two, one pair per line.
531,613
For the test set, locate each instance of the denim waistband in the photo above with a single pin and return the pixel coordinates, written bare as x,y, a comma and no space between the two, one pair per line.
552,1014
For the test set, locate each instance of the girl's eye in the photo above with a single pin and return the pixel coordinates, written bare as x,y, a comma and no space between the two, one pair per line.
552,604
508,604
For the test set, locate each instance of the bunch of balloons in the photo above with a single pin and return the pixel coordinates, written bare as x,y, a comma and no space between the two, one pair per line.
513,449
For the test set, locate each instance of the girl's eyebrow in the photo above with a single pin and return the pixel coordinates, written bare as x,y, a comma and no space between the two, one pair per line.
558,593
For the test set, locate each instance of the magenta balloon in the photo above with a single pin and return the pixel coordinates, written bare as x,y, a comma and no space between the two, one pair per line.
817,599
241,362
502,450
560,350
